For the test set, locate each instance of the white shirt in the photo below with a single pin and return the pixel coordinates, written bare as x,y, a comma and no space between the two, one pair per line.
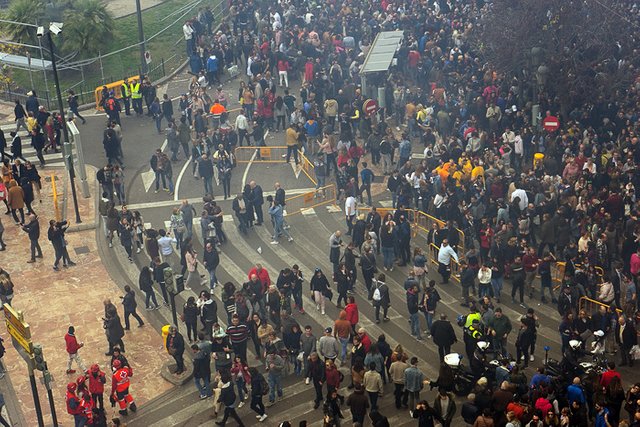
350,206
188,31
165,245
241,122
445,254
524,200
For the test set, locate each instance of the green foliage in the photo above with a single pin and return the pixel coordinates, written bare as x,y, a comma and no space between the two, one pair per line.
88,28
27,11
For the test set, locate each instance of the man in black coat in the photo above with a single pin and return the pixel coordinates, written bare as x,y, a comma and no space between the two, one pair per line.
443,335
202,371
175,347
33,230
626,338
258,201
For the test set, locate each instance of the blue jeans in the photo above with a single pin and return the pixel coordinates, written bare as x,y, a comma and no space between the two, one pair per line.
204,386
212,278
496,284
388,254
429,318
275,381
343,342
170,184
150,296
414,318
208,185
160,176
242,387
483,290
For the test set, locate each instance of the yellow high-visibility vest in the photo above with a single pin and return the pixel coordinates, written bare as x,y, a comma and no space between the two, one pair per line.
135,90
125,91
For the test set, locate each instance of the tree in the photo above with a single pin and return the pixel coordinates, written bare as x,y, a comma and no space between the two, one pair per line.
572,51
26,11
88,25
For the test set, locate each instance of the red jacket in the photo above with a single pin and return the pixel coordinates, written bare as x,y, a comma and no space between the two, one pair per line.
352,313
530,263
73,404
72,343
333,377
120,380
366,342
96,382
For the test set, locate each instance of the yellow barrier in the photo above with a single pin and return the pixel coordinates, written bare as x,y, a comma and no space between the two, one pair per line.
116,87
308,168
54,190
301,202
261,154
590,305
433,257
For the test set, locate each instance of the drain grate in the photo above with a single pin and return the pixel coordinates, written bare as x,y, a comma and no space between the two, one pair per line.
81,250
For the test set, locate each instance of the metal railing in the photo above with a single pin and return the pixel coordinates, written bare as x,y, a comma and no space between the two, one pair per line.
591,306
300,203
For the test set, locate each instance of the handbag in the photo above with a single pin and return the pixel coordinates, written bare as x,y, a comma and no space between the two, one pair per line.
328,294
300,357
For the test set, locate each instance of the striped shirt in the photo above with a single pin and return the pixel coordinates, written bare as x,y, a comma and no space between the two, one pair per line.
238,334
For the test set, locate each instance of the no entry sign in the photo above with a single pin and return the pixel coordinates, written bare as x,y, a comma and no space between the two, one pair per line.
551,123
370,106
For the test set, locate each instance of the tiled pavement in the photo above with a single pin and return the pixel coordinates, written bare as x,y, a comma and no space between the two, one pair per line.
51,301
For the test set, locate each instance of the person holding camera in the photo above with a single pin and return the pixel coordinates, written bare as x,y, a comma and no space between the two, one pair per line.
56,237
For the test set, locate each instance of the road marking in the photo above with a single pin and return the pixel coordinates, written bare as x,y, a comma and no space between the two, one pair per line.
334,209
160,204
149,176
308,212
246,170
184,168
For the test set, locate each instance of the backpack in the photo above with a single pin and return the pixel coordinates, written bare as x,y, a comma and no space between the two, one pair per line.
377,295
264,385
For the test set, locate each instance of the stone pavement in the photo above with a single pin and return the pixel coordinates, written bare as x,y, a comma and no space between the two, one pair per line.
51,301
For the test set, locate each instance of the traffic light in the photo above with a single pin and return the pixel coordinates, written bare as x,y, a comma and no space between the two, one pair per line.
168,279
38,357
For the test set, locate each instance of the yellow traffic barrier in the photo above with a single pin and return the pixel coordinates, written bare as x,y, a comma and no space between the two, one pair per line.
116,87
299,203
590,305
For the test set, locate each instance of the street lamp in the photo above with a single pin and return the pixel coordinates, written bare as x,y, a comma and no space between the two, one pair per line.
56,28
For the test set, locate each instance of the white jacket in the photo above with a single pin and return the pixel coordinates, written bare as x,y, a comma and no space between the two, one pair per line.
484,276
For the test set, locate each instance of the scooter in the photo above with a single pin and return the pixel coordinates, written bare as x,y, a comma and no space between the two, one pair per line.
463,379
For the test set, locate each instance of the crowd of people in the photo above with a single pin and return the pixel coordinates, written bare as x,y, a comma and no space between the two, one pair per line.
454,139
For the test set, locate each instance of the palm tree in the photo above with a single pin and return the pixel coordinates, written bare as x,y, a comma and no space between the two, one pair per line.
88,27
26,11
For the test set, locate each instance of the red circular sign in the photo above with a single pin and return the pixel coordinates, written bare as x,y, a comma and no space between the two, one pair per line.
551,123
370,106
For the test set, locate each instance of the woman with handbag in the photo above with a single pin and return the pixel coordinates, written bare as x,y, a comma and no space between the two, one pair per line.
342,279
191,258
178,226
319,288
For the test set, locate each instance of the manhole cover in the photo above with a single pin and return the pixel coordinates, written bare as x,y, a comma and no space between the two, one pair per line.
81,250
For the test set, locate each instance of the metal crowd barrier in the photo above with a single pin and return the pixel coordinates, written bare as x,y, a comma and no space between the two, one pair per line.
300,203
590,305
261,154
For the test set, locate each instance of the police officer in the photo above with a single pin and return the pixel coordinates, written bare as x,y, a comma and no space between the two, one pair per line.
125,94
472,335
136,97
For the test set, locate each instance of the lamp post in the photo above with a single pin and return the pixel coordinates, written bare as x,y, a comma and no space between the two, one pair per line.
143,61
56,28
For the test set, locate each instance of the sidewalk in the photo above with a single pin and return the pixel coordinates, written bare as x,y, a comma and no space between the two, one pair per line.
51,301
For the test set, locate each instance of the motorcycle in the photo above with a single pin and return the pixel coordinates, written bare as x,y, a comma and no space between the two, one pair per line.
463,378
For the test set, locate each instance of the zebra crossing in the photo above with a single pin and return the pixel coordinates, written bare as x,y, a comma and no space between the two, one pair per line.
52,160
310,250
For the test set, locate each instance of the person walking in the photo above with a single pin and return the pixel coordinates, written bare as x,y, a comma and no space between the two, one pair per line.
413,302
373,385
259,388
275,367
444,407
443,335
129,303
381,298
228,399
211,260
32,228
396,375
445,254
319,288
202,371
72,346
175,347
72,101
316,373
113,329
145,281
15,200
413,382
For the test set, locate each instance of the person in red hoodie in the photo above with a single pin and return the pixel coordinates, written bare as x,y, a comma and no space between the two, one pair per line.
97,380
352,313
72,349
364,339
